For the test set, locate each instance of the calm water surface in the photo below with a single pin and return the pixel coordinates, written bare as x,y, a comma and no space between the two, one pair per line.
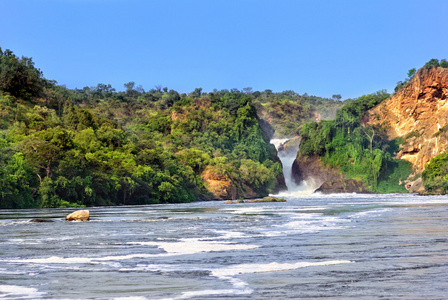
338,247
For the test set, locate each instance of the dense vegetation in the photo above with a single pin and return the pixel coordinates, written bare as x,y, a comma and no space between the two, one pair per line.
99,146
287,111
360,152
435,175
96,146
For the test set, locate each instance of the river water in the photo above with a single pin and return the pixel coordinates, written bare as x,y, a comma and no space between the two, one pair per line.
318,246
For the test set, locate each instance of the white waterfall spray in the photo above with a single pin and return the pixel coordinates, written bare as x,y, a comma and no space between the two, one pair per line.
287,153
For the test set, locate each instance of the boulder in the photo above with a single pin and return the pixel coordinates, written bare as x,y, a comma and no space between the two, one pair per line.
79,215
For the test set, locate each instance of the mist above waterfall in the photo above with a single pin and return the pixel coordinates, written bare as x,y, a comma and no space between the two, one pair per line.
287,151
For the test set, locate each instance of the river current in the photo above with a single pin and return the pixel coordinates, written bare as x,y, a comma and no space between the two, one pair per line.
317,246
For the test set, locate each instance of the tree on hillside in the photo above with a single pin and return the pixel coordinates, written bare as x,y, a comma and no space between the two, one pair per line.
336,97
432,63
444,63
18,76
411,73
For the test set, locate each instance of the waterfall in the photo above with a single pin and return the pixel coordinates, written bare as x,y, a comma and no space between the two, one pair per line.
287,153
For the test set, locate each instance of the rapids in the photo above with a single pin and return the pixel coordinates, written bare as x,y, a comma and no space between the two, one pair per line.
312,246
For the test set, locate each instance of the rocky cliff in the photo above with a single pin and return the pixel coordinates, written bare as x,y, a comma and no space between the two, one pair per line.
418,114
324,179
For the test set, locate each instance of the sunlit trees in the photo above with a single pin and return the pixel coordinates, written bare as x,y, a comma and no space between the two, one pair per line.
18,76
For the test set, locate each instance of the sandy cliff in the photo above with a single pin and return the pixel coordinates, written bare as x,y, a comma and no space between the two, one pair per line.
418,114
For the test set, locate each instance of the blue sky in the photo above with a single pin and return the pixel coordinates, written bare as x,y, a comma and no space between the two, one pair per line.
318,47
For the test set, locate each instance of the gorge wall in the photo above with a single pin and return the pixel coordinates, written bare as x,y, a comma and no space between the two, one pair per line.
418,114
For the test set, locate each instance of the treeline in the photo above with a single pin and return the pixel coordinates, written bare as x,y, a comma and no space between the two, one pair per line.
288,110
359,152
97,146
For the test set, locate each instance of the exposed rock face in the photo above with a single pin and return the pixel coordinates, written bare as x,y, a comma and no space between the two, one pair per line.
223,188
418,114
219,185
79,215
343,186
311,168
290,146
325,179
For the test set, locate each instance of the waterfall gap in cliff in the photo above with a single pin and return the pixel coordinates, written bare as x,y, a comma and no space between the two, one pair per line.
287,152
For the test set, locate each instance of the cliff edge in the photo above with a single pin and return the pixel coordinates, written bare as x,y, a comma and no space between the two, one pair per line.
418,114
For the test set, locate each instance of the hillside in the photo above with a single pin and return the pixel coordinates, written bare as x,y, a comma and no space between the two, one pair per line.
97,146
341,155
418,115
285,112
382,143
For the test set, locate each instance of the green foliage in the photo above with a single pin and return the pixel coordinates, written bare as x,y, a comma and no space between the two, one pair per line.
441,131
411,73
18,76
287,111
395,171
432,63
15,180
435,175
96,146
351,113
444,63
357,151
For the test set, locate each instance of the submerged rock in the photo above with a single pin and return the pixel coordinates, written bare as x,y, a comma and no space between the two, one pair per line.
79,215
271,199
265,199
37,220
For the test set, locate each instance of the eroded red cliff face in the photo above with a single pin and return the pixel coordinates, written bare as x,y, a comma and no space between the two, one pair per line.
417,114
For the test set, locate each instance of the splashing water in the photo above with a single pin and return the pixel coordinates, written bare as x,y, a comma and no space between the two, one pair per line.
287,156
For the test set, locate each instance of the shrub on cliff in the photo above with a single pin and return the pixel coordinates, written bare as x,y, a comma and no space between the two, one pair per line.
435,175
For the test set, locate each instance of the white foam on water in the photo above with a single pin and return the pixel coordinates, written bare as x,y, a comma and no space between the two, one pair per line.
370,213
19,292
195,245
247,210
25,241
183,247
228,235
241,287
4,271
306,223
231,271
187,295
13,223
229,274
54,260
130,298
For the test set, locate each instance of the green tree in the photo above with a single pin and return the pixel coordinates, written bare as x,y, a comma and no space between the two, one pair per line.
411,73
432,63
18,76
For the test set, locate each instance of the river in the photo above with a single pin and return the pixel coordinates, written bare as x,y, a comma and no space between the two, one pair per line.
312,246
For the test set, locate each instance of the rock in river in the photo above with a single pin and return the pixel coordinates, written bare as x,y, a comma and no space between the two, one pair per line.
79,215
